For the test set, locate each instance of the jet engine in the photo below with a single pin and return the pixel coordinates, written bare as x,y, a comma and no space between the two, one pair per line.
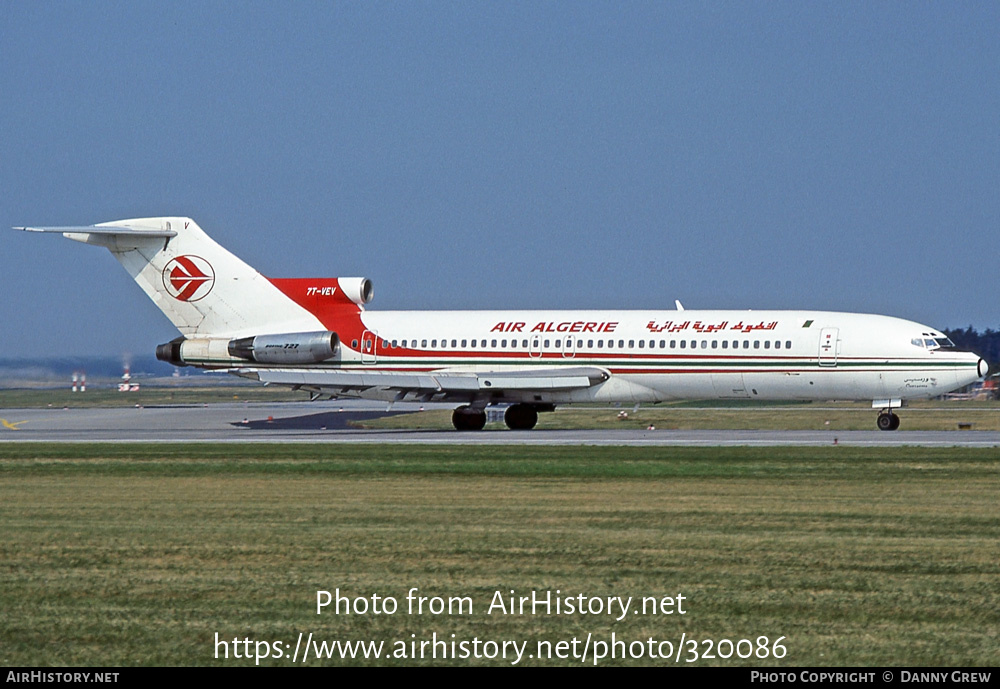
286,348
358,290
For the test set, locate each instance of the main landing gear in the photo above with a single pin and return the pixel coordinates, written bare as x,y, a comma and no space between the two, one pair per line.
518,417
887,421
466,418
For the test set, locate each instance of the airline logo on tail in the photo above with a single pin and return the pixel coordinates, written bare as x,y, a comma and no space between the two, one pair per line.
188,278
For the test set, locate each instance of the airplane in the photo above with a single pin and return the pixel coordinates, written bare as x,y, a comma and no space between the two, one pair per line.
318,335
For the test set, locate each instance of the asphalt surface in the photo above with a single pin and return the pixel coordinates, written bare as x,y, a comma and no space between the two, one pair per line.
226,423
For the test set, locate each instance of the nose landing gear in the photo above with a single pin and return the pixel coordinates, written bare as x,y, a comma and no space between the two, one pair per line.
887,421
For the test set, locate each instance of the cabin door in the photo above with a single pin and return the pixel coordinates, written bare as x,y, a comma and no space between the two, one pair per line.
829,346
369,347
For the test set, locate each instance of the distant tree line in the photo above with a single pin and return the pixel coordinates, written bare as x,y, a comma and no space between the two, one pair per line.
986,344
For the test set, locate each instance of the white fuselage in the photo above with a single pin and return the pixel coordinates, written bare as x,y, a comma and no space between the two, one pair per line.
668,355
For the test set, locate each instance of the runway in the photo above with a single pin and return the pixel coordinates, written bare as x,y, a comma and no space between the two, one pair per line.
308,423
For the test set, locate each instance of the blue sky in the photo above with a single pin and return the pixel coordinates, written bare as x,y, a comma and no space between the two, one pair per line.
841,155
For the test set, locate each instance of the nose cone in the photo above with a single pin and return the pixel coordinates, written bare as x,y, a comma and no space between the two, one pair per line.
974,368
969,368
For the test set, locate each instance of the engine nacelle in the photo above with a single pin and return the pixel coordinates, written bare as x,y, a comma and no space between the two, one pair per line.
358,290
286,348
171,352
209,352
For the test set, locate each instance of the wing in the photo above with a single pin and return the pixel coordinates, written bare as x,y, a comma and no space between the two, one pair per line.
443,386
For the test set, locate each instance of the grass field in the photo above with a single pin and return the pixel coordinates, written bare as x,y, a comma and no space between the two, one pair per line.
140,555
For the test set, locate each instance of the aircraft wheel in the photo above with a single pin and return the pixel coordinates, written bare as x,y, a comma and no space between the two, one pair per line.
465,418
520,417
887,421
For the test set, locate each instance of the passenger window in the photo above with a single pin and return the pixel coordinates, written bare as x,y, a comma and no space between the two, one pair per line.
788,344
767,344
756,344
725,344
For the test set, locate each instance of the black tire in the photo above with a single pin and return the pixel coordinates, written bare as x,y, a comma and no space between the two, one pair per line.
887,421
520,417
465,418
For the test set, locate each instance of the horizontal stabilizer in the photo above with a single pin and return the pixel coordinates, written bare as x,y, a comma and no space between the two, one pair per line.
98,229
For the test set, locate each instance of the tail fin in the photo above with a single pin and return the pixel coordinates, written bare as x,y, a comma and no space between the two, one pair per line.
201,287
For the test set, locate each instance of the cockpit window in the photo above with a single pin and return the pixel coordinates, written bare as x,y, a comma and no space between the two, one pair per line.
932,342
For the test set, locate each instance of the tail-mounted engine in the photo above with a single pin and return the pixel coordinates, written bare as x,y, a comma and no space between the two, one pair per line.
358,290
285,348
290,348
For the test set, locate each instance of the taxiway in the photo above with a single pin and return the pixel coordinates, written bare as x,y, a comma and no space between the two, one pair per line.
307,423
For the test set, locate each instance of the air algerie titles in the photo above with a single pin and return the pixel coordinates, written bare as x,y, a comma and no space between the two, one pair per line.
553,327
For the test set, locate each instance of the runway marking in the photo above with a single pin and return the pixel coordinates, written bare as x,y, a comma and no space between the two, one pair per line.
12,425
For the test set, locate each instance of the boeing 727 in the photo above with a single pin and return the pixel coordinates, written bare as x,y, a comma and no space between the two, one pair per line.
319,335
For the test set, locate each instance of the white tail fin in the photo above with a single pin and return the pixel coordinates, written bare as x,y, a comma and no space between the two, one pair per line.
201,287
